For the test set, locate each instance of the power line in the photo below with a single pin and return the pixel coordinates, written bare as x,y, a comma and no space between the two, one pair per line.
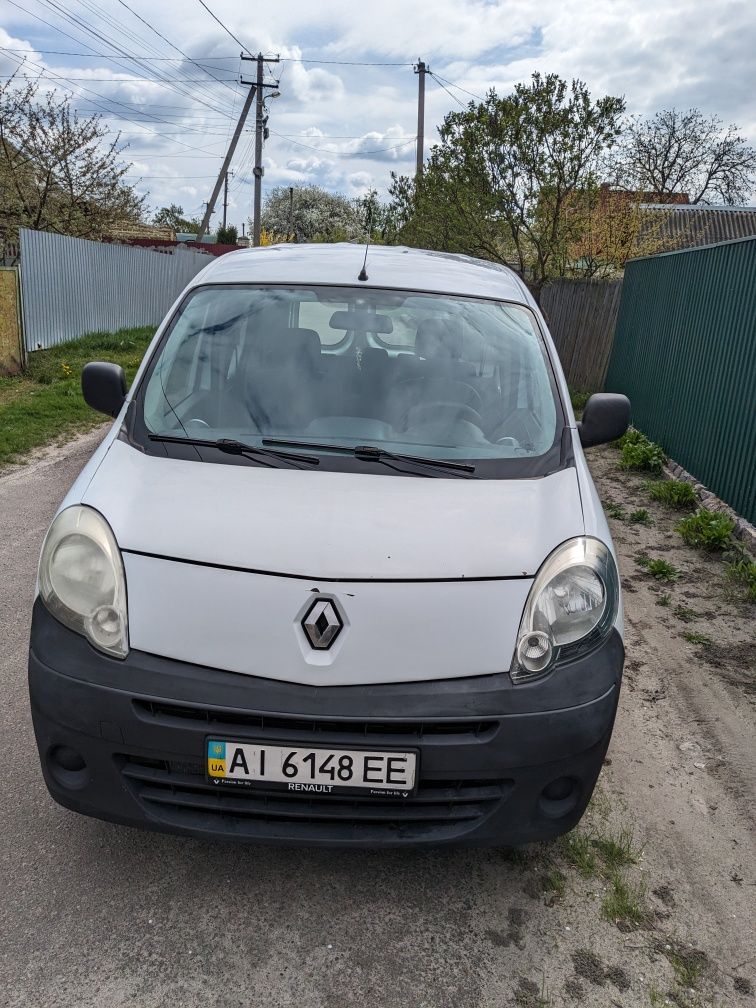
111,101
116,80
453,97
194,59
167,41
464,90
225,29
80,23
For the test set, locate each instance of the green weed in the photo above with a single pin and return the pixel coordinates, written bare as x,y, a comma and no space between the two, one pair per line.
673,493
554,882
696,638
625,902
639,517
661,570
664,600
640,453
684,614
578,851
616,511
617,851
743,572
707,530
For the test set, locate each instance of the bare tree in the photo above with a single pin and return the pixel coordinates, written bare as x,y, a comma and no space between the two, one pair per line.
686,152
58,172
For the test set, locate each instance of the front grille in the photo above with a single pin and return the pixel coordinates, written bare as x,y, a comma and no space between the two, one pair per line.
177,792
285,728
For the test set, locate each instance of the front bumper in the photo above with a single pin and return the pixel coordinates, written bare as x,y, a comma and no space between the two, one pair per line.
488,750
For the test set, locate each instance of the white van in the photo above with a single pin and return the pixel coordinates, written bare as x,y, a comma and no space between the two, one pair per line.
338,574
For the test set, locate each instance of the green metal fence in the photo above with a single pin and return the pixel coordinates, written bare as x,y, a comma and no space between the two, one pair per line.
685,353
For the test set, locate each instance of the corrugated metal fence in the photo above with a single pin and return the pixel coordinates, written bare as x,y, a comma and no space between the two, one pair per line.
685,354
582,315
70,286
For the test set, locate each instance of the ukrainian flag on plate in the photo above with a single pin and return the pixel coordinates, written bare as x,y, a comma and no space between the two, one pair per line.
216,758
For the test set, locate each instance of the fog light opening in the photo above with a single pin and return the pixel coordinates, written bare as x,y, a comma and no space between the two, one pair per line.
560,797
534,651
67,766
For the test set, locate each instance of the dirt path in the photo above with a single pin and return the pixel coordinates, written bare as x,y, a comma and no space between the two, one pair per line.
646,904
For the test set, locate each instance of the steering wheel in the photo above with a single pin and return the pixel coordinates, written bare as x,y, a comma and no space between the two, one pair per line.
197,420
430,411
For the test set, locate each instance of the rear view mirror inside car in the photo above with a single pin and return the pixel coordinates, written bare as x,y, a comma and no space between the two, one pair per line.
360,320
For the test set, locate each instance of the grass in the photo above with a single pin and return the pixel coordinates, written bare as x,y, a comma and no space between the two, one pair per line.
625,901
577,850
639,517
661,570
707,530
46,401
664,600
692,637
673,493
617,852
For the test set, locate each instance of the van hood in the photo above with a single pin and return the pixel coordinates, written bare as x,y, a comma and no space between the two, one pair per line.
333,525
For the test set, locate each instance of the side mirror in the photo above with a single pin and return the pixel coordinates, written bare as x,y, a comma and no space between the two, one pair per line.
104,387
605,418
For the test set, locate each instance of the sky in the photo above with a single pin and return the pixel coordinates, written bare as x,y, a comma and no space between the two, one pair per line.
166,75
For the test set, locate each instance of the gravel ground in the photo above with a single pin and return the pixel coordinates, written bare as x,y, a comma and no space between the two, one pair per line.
96,915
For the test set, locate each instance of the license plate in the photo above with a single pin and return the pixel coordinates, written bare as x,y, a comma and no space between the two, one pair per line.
309,771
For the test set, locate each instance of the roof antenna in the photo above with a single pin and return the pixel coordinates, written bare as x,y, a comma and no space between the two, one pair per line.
363,272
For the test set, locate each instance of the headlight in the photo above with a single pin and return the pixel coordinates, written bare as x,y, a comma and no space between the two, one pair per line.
572,604
81,579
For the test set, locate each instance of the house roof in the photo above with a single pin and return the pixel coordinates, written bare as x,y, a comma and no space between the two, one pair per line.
702,224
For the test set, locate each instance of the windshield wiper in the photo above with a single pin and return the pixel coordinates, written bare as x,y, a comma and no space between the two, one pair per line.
371,453
231,447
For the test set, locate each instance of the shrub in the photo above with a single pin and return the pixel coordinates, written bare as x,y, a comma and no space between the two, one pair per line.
707,530
673,493
640,453
631,436
579,399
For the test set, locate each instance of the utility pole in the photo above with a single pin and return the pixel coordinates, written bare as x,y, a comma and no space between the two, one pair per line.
226,162
261,134
421,70
225,198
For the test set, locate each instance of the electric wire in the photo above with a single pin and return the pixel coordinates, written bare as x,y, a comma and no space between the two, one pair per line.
453,97
225,29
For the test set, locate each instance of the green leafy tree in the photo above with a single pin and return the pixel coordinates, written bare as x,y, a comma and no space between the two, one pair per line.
173,217
499,183
59,172
227,235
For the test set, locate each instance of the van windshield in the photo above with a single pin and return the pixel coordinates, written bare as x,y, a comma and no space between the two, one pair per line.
428,375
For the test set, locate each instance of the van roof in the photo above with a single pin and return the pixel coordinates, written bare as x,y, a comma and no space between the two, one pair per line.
391,266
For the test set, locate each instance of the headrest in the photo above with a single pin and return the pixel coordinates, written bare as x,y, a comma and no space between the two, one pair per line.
435,339
273,347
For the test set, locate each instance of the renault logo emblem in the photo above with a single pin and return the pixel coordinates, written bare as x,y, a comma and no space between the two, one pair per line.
322,624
